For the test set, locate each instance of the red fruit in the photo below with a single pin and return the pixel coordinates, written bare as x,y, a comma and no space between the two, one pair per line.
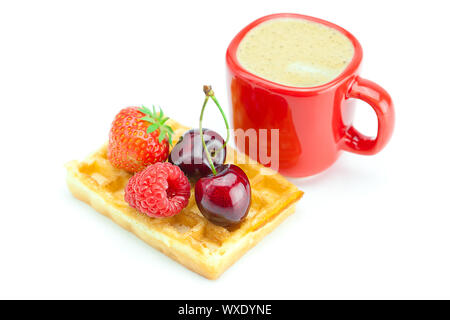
138,138
190,155
160,190
225,198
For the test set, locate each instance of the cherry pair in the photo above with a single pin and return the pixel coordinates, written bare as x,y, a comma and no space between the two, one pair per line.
222,191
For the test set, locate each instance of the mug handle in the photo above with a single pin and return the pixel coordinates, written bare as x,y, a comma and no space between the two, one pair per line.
381,102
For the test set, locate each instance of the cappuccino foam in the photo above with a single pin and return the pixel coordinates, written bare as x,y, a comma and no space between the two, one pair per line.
295,52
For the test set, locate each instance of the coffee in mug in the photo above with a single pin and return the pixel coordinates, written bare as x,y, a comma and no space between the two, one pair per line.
295,52
298,76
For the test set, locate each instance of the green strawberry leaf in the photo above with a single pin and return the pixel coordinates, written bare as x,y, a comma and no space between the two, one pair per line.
164,120
157,121
149,119
152,127
144,110
162,135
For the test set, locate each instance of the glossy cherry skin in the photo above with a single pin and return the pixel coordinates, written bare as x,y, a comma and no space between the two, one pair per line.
225,198
189,155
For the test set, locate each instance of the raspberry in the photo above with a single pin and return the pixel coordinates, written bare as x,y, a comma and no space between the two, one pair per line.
160,190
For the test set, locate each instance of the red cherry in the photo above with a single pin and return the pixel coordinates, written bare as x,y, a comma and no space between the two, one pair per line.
224,198
190,156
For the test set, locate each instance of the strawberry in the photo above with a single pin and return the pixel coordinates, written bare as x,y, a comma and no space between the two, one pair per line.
138,137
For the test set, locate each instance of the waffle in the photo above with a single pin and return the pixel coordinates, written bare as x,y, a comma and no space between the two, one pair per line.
187,237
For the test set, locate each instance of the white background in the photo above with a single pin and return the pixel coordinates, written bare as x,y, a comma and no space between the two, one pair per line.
369,227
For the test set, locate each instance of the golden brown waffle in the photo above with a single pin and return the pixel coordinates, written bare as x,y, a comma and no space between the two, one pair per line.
188,237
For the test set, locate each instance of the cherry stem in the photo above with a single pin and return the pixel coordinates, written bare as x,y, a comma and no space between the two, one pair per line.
208,156
210,93
224,119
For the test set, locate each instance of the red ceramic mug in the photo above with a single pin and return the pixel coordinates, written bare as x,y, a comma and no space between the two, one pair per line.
315,123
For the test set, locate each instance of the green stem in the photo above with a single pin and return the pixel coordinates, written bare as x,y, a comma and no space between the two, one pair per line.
224,118
208,156
210,93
